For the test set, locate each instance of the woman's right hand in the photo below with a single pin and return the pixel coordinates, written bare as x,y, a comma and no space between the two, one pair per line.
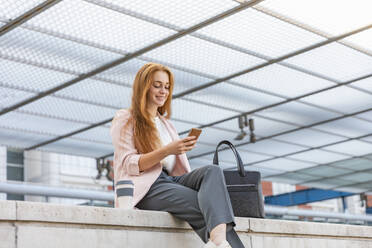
181,146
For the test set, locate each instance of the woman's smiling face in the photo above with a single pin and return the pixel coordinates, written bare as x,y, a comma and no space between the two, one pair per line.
159,89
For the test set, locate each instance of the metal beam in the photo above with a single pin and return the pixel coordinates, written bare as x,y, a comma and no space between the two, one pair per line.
287,56
219,42
133,55
167,25
284,102
287,100
27,16
290,123
170,26
354,184
304,196
329,177
282,156
290,131
207,125
309,149
194,89
152,20
68,135
64,97
304,26
236,84
369,210
127,86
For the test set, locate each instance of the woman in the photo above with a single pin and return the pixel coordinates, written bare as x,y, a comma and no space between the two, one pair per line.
150,156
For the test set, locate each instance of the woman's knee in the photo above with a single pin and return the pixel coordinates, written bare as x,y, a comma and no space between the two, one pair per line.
214,169
183,197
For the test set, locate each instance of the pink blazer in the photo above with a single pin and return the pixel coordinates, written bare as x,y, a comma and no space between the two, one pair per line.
126,157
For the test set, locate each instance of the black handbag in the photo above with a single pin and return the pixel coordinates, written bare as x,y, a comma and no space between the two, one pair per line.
244,187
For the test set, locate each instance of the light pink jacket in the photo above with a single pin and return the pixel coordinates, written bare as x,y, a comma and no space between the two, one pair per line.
126,157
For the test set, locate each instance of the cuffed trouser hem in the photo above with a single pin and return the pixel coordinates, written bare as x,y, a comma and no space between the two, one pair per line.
216,220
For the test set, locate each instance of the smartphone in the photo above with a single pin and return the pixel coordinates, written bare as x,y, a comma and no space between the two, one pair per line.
195,132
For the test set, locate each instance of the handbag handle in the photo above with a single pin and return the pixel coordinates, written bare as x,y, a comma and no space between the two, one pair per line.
237,156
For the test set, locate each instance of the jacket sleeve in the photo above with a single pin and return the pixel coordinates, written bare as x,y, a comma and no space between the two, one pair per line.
126,156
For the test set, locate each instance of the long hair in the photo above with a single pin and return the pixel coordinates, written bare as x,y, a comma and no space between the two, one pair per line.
146,138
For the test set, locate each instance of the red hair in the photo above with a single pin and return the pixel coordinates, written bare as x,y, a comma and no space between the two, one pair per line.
146,138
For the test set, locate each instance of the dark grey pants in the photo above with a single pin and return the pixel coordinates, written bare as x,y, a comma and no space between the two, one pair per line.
199,197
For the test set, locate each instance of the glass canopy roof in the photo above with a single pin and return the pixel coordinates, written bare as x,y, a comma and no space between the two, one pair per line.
303,73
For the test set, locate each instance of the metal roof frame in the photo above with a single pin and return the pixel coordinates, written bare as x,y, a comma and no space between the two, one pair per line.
202,126
304,26
283,102
222,43
290,131
27,16
133,55
224,79
278,60
137,15
273,61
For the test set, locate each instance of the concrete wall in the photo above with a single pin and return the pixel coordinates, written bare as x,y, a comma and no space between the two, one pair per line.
2,169
31,224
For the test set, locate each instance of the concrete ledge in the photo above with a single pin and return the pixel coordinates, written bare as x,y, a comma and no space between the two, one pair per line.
297,242
267,226
32,224
8,210
33,211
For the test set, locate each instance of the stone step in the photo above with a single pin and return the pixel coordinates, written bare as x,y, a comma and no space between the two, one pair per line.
34,224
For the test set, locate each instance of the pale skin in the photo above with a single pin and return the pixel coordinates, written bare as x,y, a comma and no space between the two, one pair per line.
156,97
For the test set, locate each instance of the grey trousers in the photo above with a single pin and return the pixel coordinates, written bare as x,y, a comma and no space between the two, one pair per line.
199,197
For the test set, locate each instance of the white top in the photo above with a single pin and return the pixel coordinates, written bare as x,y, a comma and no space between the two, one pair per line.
169,161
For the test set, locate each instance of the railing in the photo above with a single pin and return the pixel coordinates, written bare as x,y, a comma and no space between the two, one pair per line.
44,190
282,211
